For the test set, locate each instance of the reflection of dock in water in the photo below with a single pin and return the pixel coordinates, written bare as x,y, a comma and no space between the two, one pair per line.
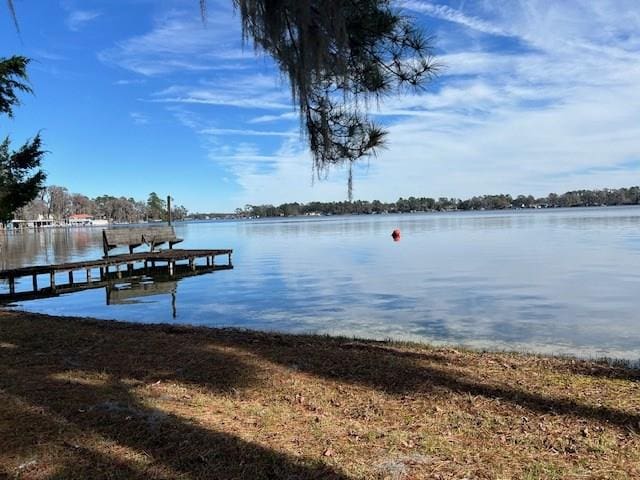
124,286
133,291
129,263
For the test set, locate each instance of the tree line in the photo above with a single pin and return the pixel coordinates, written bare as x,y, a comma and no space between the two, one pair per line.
57,203
577,198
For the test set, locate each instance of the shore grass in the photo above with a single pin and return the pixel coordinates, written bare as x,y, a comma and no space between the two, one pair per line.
81,398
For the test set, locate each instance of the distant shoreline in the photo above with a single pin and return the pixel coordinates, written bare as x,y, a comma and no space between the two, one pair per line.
232,217
242,217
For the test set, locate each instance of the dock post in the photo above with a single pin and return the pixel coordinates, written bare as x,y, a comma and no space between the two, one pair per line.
12,285
35,282
229,258
71,278
52,279
171,267
192,264
208,261
102,272
88,275
119,273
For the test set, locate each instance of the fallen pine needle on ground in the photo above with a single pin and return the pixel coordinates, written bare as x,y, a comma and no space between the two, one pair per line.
82,398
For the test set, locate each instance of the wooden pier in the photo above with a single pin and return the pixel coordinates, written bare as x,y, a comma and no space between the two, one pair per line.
80,275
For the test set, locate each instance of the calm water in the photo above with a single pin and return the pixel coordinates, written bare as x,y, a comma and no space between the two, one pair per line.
559,281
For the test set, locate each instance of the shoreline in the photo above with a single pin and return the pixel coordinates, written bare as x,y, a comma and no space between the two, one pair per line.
504,349
87,398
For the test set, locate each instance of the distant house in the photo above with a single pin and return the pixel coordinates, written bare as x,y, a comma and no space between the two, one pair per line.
40,222
80,220
85,220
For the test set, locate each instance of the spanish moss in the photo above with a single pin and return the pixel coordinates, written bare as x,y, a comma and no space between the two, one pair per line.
338,56
14,16
203,10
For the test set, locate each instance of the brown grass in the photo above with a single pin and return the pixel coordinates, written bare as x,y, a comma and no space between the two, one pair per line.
96,399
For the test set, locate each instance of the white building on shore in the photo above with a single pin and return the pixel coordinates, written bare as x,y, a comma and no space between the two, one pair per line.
84,220
76,220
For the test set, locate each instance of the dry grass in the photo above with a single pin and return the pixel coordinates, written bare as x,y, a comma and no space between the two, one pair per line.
89,399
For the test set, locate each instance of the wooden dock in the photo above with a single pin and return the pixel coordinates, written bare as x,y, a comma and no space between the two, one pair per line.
80,275
135,282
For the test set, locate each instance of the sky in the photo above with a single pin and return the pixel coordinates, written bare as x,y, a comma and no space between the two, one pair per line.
135,96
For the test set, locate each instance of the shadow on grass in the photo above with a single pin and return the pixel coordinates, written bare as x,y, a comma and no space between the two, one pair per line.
36,350
603,369
400,372
145,442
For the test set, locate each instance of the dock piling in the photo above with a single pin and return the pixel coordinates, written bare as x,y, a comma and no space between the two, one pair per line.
128,261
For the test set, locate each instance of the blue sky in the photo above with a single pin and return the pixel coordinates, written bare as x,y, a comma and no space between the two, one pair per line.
137,96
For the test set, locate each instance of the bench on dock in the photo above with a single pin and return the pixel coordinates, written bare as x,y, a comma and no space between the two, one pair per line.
159,235
134,237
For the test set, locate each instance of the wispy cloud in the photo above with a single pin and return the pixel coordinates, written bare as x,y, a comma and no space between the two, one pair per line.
48,55
134,81
253,91
77,19
274,118
179,43
447,13
139,118
249,133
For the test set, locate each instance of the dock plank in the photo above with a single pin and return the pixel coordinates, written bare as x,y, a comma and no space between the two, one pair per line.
157,274
122,259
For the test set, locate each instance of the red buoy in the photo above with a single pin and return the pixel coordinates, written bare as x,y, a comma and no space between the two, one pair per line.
396,235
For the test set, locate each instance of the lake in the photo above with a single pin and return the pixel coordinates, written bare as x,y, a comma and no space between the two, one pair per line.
562,281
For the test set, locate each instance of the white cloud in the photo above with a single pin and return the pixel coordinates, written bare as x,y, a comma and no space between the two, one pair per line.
445,12
139,118
249,91
248,132
180,42
77,19
137,81
274,118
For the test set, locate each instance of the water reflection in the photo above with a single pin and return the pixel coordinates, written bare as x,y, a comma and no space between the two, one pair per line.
129,287
43,246
550,281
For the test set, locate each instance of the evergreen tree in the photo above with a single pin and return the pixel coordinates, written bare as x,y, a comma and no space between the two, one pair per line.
156,207
20,176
